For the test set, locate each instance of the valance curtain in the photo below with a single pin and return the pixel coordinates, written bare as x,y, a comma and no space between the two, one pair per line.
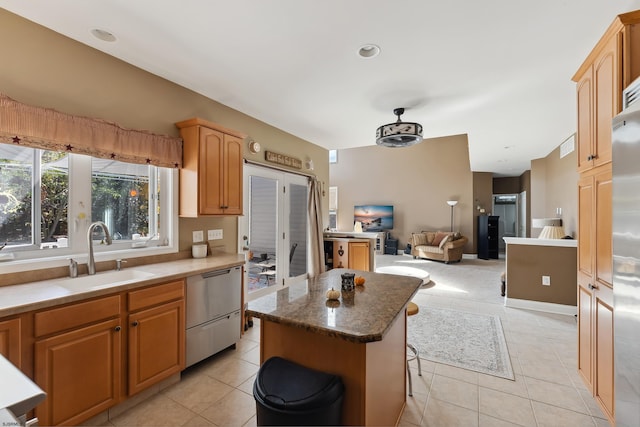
48,129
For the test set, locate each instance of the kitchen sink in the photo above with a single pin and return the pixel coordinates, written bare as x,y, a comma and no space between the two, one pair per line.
103,279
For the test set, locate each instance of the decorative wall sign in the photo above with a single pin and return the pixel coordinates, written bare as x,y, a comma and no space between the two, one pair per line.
281,159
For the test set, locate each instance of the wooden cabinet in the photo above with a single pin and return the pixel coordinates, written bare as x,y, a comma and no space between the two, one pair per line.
78,360
211,177
355,255
359,255
10,341
595,285
156,334
610,67
598,93
90,355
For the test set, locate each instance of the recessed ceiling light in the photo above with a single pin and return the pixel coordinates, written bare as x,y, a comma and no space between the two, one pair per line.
103,35
368,51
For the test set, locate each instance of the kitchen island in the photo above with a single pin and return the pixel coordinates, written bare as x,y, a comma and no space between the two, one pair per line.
361,339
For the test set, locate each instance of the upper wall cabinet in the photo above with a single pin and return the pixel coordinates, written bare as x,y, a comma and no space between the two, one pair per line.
211,174
607,70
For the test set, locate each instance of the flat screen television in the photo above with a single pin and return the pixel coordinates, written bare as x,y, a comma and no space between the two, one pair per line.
374,218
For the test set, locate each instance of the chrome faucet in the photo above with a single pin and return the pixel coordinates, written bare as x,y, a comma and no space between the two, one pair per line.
91,264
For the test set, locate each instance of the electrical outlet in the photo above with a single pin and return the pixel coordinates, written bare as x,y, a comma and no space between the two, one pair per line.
546,280
198,236
214,234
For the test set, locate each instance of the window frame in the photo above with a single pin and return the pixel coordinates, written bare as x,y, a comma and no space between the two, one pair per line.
79,218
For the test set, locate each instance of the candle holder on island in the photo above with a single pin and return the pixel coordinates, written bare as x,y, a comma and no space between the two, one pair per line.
348,286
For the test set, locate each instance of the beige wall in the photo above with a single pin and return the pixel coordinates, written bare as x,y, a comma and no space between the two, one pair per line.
526,264
554,183
43,68
416,180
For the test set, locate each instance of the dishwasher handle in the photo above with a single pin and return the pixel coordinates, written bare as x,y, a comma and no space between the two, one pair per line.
217,273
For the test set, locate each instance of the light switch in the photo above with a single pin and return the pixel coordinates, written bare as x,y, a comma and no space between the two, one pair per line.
214,234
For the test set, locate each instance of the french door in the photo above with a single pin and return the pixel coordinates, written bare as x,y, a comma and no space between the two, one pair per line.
273,230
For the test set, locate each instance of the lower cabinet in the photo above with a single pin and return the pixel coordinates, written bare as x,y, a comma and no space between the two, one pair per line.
156,338
348,253
80,372
91,355
359,255
77,357
10,346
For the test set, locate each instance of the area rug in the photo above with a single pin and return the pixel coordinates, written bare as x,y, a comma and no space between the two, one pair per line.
457,338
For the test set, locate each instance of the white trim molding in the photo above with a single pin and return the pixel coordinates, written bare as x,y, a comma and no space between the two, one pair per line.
548,307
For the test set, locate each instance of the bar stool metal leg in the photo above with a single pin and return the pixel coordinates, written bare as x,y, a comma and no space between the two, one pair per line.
412,309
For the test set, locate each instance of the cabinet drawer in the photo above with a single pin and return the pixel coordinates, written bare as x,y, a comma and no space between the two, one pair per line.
155,295
73,316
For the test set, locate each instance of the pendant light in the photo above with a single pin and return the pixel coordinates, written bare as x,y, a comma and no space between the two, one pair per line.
399,134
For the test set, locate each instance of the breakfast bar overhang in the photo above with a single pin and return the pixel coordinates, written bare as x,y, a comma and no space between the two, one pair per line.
362,339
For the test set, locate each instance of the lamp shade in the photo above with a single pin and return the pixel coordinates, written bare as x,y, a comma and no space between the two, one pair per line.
552,232
452,202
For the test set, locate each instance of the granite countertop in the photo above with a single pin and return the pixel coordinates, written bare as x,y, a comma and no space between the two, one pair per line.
16,299
364,319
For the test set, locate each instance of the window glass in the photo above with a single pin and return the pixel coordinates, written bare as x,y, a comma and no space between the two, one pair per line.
125,196
21,170
120,197
333,156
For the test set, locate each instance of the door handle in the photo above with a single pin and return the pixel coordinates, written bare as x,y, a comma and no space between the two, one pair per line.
592,287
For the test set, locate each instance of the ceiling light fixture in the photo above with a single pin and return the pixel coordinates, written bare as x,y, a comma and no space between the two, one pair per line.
399,134
103,35
368,51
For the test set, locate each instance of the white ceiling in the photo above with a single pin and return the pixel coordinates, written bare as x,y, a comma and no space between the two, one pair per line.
497,70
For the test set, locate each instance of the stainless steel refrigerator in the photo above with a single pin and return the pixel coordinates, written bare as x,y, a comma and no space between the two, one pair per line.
626,264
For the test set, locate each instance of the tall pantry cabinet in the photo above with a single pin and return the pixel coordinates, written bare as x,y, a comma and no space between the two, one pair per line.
610,67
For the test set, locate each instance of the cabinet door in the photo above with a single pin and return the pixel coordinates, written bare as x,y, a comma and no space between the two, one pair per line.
585,333
80,372
603,228
211,175
585,120
603,364
359,255
156,345
586,224
10,341
607,99
233,179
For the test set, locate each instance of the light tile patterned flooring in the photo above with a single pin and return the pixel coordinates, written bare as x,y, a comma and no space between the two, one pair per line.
547,390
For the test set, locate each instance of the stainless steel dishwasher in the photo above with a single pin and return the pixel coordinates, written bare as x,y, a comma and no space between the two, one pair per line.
213,312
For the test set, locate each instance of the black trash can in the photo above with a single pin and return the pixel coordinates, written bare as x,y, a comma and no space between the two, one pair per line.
290,394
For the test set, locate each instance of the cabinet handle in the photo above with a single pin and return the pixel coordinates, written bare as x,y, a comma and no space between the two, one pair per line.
135,323
117,328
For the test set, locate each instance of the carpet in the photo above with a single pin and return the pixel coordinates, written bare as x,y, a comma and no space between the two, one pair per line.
465,340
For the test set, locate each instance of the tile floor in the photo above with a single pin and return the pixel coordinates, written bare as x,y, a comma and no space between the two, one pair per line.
547,390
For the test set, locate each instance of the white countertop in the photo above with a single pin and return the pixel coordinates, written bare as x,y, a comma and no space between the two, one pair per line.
567,243
17,299
18,393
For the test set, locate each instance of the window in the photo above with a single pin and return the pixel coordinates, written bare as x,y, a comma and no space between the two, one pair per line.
333,208
333,156
124,196
46,202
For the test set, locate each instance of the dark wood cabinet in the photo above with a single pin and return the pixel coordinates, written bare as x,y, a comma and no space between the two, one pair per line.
488,242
